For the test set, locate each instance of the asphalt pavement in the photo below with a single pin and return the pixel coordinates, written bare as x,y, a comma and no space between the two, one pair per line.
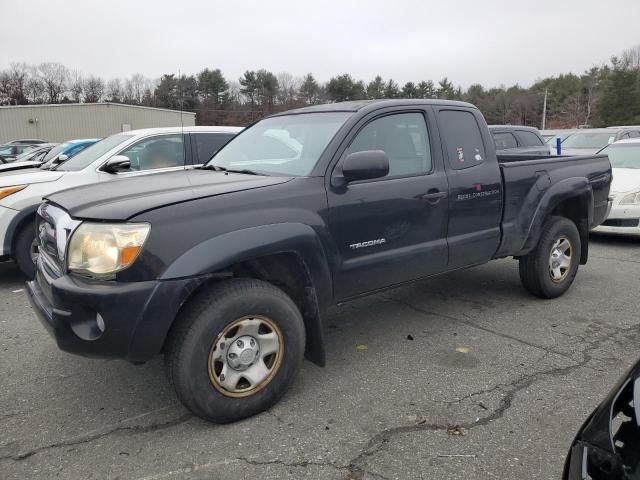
464,376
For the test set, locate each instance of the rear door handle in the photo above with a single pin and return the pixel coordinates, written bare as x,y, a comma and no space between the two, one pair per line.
433,197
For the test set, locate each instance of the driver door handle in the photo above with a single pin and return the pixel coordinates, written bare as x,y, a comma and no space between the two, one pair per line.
433,196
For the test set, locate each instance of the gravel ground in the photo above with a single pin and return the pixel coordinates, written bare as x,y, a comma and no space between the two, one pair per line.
463,376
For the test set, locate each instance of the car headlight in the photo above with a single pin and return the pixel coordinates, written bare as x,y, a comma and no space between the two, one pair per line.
6,191
631,199
104,249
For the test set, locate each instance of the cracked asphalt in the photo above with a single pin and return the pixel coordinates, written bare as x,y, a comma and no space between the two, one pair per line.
463,376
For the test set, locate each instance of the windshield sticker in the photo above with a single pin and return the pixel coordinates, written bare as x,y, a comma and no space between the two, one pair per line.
478,157
460,151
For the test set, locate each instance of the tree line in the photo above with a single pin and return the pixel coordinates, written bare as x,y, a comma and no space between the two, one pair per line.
604,95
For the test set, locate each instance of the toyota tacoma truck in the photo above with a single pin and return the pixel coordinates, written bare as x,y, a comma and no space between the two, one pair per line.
227,269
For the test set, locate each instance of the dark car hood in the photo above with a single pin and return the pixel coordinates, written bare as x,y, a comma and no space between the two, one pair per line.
125,198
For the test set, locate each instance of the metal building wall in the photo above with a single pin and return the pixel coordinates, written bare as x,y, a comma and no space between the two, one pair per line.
57,123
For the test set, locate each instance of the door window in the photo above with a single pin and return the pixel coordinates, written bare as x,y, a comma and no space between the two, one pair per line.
163,151
504,140
462,138
403,137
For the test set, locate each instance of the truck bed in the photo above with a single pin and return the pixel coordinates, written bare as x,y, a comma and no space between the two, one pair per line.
532,182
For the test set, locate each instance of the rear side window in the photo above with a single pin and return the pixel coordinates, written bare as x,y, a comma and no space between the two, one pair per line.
528,139
504,140
634,134
207,144
462,138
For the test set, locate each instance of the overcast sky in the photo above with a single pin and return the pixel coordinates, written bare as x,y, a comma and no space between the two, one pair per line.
469,41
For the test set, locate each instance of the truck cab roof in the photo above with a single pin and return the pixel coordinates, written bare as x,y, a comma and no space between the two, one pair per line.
363,105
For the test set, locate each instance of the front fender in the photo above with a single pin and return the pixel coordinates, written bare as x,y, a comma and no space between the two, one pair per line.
578,187
218,253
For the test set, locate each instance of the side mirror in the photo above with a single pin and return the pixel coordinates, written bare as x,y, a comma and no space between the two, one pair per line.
117,163
60,159
363,165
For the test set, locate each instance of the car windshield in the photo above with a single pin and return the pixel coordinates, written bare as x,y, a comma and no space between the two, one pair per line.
54,152
89,155
27,155
589,139
623,155
286,145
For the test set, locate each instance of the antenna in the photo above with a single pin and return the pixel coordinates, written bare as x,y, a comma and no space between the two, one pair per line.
181,105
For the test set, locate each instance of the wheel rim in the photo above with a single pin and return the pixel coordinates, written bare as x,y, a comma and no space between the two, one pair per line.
33,251
560,259
245,356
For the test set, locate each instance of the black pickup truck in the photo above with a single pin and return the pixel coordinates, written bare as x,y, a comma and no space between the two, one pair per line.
227,269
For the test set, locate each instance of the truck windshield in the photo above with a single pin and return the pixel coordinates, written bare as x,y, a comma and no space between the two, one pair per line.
623,155
287,145
588,140
86,157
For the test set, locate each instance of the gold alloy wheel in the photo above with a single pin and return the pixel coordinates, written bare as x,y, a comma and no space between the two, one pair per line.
560,259
245,356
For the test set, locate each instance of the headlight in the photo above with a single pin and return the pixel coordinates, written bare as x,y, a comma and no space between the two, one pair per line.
631,199
6,191
104,249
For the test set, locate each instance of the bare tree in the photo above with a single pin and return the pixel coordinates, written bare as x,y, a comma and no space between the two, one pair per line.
76,85
54,76
93,89
114,90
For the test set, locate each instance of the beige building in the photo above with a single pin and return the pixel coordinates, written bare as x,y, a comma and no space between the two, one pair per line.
60,122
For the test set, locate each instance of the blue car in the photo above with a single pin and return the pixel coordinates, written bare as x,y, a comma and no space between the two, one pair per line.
65,151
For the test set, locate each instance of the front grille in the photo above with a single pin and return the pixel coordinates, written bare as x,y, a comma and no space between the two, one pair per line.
53,228
622,222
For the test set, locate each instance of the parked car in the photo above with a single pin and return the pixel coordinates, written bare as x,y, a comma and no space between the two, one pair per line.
607,447
32,157
586,142
65,151
124,155
518,139
8,153
551,136
229,268
624,218
49,156
28,141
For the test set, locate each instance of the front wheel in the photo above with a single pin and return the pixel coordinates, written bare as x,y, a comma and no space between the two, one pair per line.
549,270
235,350
25,251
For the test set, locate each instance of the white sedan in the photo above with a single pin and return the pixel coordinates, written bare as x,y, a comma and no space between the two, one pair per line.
624,218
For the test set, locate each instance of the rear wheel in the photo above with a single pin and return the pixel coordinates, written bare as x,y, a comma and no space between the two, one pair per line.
549,270
25,251
235,350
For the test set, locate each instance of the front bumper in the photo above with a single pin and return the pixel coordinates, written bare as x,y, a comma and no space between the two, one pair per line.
622,220
7,216
136,316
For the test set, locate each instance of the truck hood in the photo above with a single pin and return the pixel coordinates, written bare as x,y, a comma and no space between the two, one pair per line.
125,198
27,176
625,180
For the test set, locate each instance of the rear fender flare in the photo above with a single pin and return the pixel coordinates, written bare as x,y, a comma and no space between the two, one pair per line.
578,187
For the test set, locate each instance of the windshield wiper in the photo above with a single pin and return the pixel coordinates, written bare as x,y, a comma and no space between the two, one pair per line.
243,170
218,168
215,168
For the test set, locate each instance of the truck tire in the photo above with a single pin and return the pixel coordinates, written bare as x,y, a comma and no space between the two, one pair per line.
25,250
235,349
549,270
